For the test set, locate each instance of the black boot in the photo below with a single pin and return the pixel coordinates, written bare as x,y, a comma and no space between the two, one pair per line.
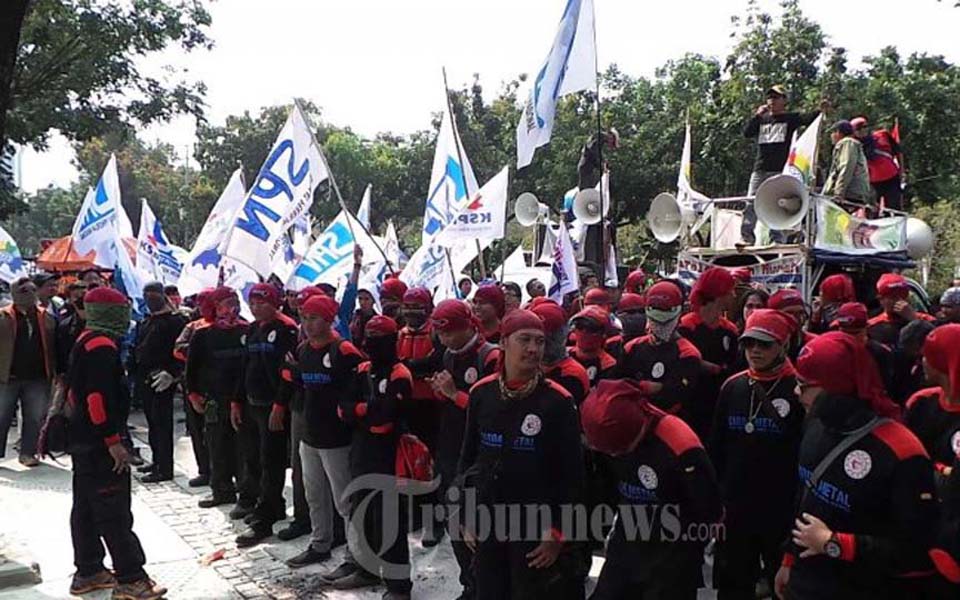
293,531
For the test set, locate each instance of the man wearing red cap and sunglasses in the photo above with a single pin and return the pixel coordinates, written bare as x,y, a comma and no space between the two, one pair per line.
664,477
522,447
893,292
590,335
467,358
790,302
756,430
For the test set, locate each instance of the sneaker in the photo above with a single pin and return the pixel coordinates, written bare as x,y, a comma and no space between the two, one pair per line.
254,535
211,501
308,557
199,481
81,584
293,531
241,511
347,568
358,579
143,589
155,477
29,461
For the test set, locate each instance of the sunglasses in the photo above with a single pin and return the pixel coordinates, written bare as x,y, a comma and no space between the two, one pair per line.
750,343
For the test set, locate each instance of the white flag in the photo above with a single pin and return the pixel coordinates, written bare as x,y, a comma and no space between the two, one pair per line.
452,182
102,219
802,152
484,217
127,276
11,263
363,213
564,277
156,256
201,269
296,242
282,192
391,247
571,66
426,266
686,195
331,254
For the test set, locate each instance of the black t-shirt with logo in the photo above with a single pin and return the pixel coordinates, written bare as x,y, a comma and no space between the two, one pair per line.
774,134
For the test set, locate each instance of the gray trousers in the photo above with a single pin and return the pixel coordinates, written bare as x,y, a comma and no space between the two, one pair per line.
326,473
749,224
34,398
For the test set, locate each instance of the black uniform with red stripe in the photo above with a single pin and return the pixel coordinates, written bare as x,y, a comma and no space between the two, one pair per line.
375,412
422,354
101,497
754,443
946,551
259,389
675,365
717,344
571,376
936,423
601,366
886,329
522,451
877,497
667,481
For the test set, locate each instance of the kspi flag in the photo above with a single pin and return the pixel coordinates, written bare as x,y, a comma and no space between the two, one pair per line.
452,181
156,256
484,216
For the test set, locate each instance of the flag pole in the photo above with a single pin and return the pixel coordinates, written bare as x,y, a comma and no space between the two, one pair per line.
602,238
463,172
336,189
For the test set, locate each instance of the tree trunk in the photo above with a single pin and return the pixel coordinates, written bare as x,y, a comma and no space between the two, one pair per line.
12,14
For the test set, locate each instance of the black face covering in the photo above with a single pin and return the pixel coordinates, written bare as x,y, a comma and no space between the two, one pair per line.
382,350
634,325
156,304
415,318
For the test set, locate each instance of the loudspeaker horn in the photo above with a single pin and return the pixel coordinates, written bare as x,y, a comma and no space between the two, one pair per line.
529,210
586,206
920,238
781,202
666,218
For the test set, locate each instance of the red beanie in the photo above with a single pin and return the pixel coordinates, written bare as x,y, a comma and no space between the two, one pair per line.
615,415
785,298
393,288
851,316
520,319
493,295
220,294
629,301
322,306
591,314
769,325
551,313
893,285
742,275
307,293
453,315
664,295
419,296
380,325
635,282
837,289
713,283
206,306
265,292
942,352
104,295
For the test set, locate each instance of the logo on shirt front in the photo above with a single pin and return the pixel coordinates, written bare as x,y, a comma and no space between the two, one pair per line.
857,464
781,406
658,370
383,386
326,361
591,373
772,133
470,375
272,337
647,477
531,425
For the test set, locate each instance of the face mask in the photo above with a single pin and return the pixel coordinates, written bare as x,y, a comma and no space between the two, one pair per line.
155,304
555,347
662,331
589,342
415,318
634,324
382,350
829,313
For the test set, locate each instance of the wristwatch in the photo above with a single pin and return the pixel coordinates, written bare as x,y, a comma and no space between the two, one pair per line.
832,548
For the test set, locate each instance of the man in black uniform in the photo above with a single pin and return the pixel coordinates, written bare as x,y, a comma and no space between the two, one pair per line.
753,446
467,359
101,464
155,370
664,478
259,405
522,443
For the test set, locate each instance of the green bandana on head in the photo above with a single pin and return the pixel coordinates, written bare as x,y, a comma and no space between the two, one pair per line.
109,319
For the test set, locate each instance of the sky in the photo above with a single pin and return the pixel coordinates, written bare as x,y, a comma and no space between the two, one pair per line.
375,65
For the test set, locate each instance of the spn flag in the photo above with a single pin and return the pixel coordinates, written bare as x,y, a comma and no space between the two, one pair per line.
452,181
564,277
484,217
156,256
201,269
282,192
363,213
11,262
571,66
296,242
686,195
331,254
802,152
102,219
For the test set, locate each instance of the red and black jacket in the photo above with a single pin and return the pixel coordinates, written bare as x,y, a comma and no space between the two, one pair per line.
885,328
266,346
936,423
95,394
571,376
601,366
422,354
675,365
381,396
214,361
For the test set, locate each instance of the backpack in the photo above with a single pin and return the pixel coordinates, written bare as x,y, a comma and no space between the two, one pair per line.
413,462
54,434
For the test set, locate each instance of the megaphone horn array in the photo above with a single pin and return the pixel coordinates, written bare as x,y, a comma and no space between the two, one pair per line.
529,210
586,206
666,218
781,202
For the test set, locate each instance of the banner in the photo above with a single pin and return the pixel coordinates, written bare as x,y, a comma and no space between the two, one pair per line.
784,272
102,219
11,262
155,255
686,195
571,66
564,277
331,254
282,192
201,269
484,217
839,231
452,183
803,152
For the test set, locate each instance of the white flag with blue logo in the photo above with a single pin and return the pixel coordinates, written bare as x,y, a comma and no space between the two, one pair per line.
281,194
331,254
564,277
102,219
201,269
571,66
452,181
483,217
296,243
156,256
11,262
